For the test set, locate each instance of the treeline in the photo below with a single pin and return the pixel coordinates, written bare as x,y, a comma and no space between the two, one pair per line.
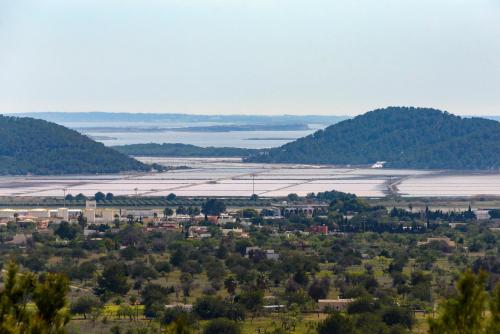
450,216
403,137
183,150
31,146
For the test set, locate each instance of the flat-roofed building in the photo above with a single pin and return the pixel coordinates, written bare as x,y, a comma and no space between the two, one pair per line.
39,213
7,213
63,213
334,304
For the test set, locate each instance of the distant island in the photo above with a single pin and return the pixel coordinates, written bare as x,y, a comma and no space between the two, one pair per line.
184,150
32,146
403,137
208,128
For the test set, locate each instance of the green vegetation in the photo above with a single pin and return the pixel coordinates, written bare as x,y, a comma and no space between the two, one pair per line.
183,150
403,137
47,293
398,270
31,146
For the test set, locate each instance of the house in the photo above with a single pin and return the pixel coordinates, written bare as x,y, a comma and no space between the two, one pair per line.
225,218
272,255
39,213
237,232
307,210
269,253
7,213
319,229
63,213
199,232
334,304
108,215
42,224
212,219
185,307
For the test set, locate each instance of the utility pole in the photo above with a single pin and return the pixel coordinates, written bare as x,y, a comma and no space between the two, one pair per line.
64,192
253,184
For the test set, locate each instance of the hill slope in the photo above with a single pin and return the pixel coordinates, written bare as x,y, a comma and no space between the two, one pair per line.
182,150
34,146
404,137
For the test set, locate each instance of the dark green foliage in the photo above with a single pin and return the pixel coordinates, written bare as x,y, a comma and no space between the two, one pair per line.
67,230
319,289
403,137
213,207
113,279
47,292
222,326
154,298
182,150
84,305
337,323
464,313
210,307
34,146
99,196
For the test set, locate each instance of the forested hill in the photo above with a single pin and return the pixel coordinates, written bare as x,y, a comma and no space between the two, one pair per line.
183,150
34,146
404,137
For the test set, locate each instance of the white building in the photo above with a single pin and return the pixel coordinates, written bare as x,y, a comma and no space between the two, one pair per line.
39,213
108,216
63,213
7,213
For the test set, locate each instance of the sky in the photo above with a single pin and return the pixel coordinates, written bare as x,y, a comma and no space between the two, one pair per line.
331,57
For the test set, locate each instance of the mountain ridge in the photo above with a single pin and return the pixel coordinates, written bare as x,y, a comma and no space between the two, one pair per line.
404,137
33,146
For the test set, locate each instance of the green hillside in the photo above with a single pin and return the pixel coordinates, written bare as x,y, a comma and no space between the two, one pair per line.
182,150
404,137
32,146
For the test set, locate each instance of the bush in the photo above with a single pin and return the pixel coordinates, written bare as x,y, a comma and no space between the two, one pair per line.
222,326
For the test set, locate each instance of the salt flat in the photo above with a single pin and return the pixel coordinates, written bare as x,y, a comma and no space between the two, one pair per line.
231,177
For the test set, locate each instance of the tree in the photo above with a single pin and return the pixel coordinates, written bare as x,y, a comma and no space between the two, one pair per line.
48,292
171,197
337,323
154,298
83,305
319,289
82,221
463,313
109,196
231,284
222,326
99,196
66,231
252,301
113,279
293,197
80,197
213,207
494,324
167,212
210,307
187,282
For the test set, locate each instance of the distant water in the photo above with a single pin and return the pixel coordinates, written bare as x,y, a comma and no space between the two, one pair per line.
240,139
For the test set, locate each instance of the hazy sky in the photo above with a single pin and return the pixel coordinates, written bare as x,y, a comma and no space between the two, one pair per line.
254,56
